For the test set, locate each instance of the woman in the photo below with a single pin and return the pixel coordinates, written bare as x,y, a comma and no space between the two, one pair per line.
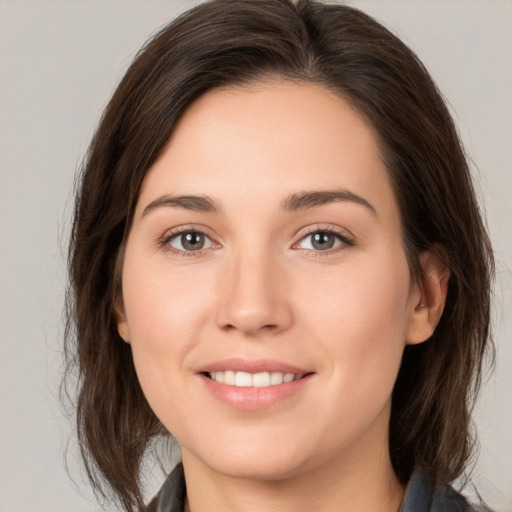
277,258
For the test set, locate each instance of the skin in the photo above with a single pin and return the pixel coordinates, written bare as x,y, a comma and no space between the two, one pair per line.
259,289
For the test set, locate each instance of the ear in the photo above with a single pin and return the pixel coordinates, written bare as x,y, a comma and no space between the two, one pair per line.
429,298
120,317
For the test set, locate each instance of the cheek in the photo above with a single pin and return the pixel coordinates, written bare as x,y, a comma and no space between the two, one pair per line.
162,303
165,311
360,315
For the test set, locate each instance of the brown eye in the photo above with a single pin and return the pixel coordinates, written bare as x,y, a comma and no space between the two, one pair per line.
323,241
190,241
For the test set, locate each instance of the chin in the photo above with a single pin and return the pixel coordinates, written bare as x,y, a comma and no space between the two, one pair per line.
259,468
258,461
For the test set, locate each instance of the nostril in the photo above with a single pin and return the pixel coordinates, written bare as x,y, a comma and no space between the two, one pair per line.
250,327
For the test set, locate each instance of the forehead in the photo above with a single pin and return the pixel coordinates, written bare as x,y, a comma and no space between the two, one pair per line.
270,139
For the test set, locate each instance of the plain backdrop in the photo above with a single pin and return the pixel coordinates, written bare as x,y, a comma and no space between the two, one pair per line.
59,63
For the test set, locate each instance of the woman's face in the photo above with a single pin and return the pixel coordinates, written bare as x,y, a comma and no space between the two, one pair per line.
266,246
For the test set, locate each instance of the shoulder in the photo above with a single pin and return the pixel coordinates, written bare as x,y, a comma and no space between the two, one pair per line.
422,496
171,497
446,499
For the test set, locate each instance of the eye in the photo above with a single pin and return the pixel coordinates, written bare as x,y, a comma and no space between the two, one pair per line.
323,240
189,241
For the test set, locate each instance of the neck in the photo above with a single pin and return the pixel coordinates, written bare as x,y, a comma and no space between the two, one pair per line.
361,481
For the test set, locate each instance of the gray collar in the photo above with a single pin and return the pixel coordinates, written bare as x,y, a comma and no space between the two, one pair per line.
420,496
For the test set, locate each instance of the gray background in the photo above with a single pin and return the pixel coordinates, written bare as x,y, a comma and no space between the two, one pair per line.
59,62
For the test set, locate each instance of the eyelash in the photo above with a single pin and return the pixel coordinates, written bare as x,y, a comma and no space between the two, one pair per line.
345,241
169,236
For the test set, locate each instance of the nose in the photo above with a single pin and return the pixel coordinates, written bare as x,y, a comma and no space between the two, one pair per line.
254,296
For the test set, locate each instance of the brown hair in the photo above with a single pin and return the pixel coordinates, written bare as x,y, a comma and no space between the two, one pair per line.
236,42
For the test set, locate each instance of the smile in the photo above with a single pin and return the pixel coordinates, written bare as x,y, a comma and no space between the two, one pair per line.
256,380
254,384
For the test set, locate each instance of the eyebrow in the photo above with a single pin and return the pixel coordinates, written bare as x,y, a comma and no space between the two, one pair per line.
188,202
305,200
295,202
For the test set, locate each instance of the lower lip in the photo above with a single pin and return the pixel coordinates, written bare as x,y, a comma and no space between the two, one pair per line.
252,398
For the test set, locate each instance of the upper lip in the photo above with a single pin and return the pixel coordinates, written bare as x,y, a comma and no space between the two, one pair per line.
251,366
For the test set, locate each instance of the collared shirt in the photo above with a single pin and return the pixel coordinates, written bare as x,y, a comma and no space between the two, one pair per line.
419,496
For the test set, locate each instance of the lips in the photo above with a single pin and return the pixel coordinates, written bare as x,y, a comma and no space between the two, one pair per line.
253,385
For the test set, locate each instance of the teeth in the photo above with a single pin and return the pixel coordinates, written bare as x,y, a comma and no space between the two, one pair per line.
261,380
243,380
257,380
276,378
229,377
